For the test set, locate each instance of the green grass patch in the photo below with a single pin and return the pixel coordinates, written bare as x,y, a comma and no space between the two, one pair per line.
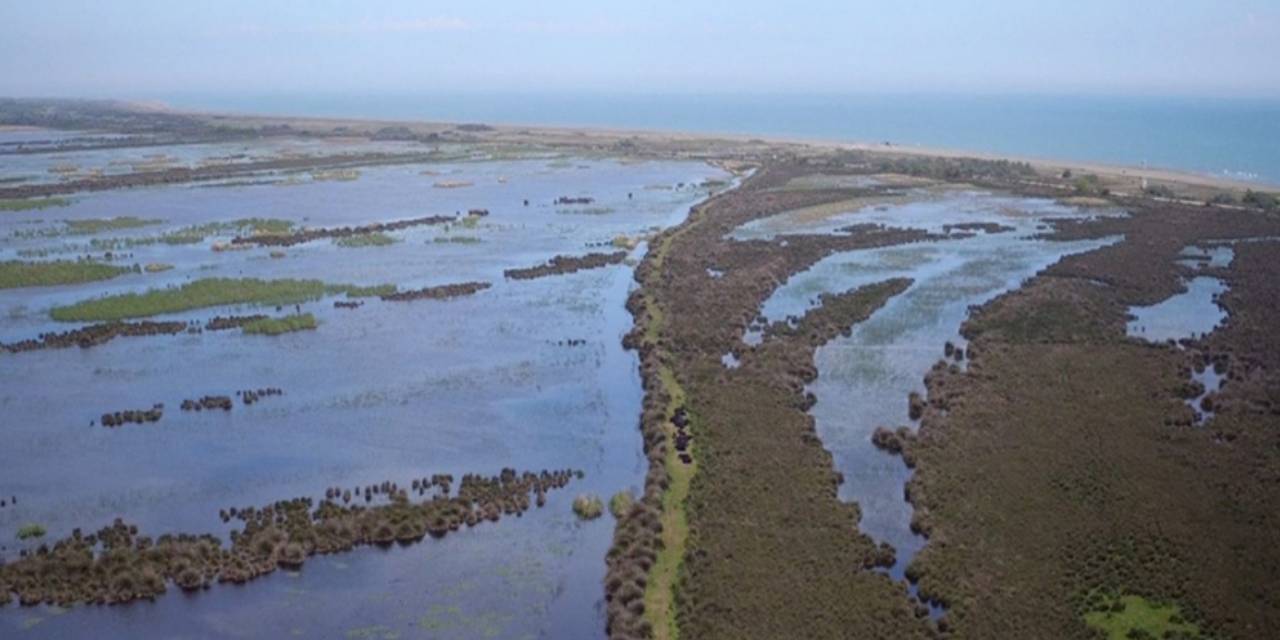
1133,617
376,239
456,240
92,226
16,273
30,530
263,225
277,326
209,292
32,204
355,291
664,576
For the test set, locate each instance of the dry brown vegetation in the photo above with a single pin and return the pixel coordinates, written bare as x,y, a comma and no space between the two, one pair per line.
1063,462
567,264
771,550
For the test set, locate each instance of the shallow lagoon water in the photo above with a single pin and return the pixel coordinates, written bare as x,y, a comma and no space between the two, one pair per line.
388,391
1212,381
864,379
40,167
1184,315
1189,314
1217,256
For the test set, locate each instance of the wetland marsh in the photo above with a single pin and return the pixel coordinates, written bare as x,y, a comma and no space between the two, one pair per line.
455,382
519,373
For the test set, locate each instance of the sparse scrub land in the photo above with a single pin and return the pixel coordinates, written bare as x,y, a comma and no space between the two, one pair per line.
1261,199
15,273
1090,185
209,292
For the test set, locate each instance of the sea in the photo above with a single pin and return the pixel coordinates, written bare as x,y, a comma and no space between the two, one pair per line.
1237,138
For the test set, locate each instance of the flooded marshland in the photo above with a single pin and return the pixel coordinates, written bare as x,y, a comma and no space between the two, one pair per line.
528,374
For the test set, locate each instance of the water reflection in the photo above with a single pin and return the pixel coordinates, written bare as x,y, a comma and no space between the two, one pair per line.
528,374
1189,314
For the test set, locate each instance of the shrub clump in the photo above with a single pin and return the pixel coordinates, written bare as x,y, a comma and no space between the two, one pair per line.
30,530
374,239
620,504
588,506
117,565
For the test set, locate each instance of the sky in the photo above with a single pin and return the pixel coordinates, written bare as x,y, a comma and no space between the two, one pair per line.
136,49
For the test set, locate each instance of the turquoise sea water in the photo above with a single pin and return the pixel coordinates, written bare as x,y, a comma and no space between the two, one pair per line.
1226,137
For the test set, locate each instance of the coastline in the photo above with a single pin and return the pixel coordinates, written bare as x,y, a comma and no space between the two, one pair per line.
548,133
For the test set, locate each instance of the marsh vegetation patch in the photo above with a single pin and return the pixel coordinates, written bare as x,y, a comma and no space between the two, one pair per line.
208,292
16,273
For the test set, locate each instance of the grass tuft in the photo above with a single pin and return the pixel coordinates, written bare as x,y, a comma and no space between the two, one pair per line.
1132,616
376,239
277,326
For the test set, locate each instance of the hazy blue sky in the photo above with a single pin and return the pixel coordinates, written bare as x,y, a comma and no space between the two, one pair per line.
141,48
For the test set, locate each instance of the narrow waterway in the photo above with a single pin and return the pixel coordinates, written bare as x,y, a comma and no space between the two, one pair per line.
864,379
